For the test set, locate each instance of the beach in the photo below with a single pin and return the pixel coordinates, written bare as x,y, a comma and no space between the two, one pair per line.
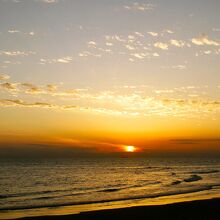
201,209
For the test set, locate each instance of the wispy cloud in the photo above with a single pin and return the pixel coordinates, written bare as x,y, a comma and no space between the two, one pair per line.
162,46
18,102
48,1
4,76
42,1
88,54
64,60
8,86
134,102
31,88
169,31
204,40
13,31
179,67
139,34
164,91
91,43
139,7
216,29
154,34
177,43
17,53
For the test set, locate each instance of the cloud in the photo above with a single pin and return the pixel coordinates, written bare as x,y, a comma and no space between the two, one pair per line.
154,34
204,40
21,103
18,102
156,54
91,43
199,104
31,33
42,1
139,34
194,141
51,87
109,44
107,50
13,31
87,54
4,76
65,60
164,91
8,86
179,67
16,53
139,55
139,7
31,88
207,52
169,31
135,101
129,47
162,46
177,43
48,1
131,37
134,43
216,29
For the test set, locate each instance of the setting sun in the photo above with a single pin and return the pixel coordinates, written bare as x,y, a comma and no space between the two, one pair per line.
110,104
130,148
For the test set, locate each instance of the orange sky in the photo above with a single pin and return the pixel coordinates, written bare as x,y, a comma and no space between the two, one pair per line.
98,77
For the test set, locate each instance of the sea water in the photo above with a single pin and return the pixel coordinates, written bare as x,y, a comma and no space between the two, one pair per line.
38,183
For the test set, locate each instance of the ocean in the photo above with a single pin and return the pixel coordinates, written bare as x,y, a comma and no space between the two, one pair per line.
36,184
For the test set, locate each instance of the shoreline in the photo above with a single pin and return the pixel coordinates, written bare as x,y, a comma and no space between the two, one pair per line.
73,211
198,209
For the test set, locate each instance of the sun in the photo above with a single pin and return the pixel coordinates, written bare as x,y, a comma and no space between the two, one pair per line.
130,148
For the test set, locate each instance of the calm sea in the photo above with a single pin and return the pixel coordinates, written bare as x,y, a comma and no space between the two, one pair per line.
29,184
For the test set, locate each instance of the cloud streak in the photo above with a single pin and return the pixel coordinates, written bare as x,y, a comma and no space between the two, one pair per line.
142,7
63,60
4,76
8,86
132,103
204,40
17,53
162,46
177,43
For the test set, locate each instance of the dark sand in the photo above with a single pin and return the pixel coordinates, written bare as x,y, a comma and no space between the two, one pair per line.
204,209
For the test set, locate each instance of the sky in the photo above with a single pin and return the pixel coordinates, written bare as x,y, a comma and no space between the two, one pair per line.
98,75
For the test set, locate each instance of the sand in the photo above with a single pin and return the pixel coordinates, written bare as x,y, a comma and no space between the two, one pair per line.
203,209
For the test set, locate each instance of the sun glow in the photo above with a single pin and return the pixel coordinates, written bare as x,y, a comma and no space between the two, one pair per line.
130,148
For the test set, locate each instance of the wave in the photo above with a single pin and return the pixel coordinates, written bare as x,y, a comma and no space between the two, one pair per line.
31,193
129,187
26,194
177,182
193,178
204,171
110,190
70,192
157,195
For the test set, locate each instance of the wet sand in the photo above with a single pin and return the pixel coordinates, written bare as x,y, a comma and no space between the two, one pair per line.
202,209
